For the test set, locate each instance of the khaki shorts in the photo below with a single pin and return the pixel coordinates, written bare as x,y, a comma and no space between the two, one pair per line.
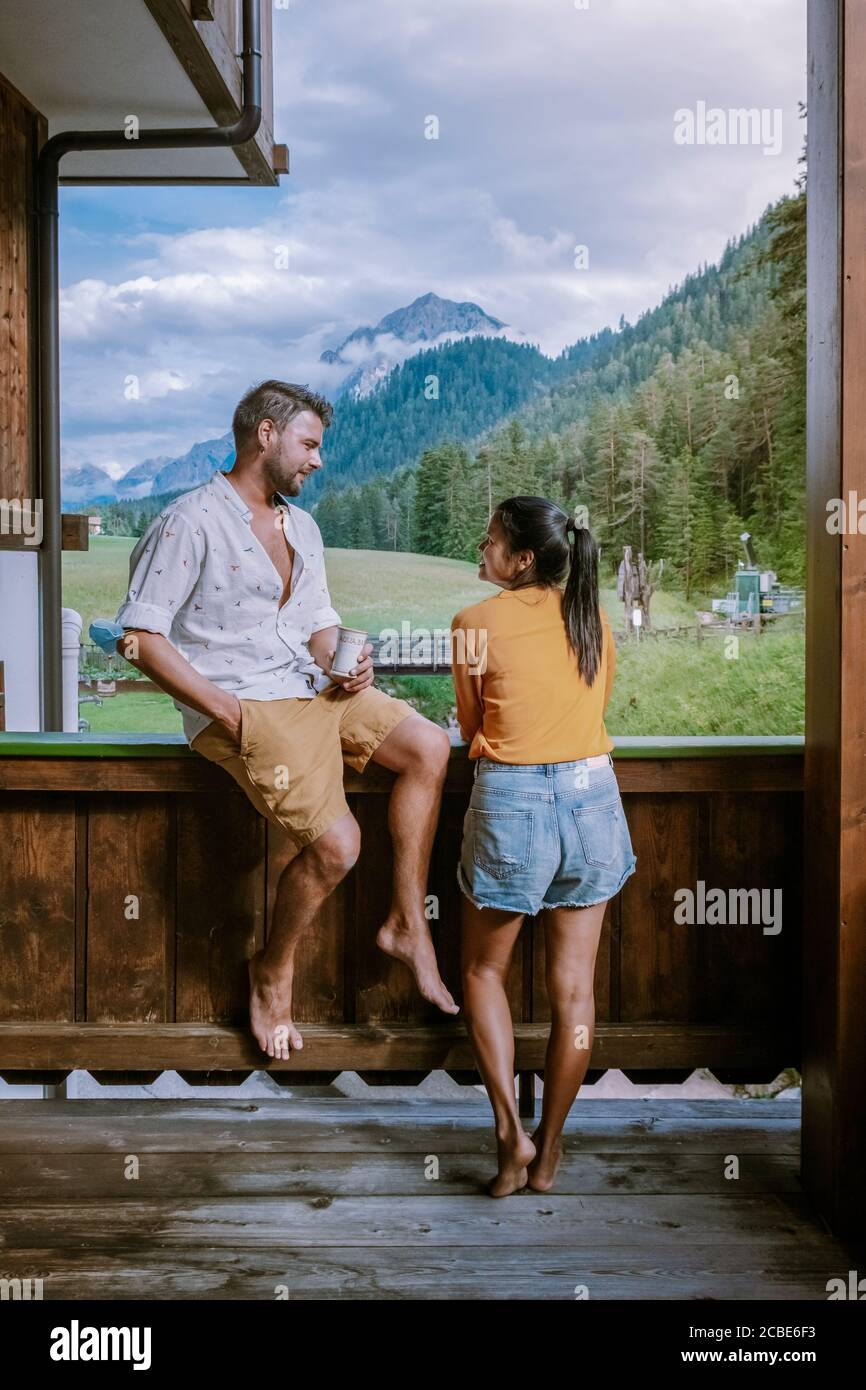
290,757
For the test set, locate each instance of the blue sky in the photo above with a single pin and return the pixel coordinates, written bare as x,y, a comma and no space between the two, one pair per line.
556,129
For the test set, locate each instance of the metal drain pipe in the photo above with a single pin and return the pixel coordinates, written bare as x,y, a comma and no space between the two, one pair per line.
48,180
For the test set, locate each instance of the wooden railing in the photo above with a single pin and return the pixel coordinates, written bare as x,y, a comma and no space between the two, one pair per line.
136,879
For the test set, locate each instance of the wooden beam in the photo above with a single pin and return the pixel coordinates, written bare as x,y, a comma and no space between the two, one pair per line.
74,531
187,771
22,130
377,1046
834,1020
209,59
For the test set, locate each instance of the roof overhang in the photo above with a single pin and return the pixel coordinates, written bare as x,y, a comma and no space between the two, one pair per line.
90,64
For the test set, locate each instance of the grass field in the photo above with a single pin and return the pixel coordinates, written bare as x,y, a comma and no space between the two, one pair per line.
662,687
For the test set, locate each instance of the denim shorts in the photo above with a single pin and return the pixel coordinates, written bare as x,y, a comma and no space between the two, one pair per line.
540,835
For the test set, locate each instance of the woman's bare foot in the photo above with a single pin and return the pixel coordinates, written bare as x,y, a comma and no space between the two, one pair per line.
542,1169
271,1010
515,1150
411,943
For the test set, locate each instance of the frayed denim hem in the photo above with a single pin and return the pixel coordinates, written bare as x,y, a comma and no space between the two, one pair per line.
498,907
595,902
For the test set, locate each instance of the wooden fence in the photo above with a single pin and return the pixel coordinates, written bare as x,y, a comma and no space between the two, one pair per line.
136,879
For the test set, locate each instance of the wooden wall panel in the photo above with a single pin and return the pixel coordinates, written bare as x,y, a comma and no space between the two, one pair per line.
443,884
660,959
319,989
19,133
220,905
37,907
130,960
385,989
382,986
606,969
748,974
834,1019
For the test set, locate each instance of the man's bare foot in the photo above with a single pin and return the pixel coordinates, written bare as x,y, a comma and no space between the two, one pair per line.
271,1011
515,1152
542,1169
413,946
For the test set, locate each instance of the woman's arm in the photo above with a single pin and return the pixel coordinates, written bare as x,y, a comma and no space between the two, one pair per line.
610,663
467,683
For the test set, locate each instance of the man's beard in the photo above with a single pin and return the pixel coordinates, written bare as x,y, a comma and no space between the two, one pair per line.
290,486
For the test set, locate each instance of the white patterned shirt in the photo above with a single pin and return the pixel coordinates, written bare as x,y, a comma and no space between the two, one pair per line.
200,576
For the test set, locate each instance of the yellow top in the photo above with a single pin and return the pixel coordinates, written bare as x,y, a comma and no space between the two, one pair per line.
520,696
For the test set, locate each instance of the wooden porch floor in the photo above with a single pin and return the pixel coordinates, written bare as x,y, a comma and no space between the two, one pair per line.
331,1199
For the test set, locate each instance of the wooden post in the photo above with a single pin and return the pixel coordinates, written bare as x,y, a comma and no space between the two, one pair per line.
526,1095
834,1019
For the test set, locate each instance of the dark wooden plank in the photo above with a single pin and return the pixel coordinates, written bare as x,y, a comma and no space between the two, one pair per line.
74,1175
384,989
656,1224
755,1272
834,1020
18,135
185,771
37,909
606,976
208,55
130,959
220,905
445,928
75,531
306,1128
388,1047
471,1105
659,961
745,973
319,987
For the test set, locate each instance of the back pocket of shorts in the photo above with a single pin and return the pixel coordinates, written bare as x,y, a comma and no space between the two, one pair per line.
598,827
501,840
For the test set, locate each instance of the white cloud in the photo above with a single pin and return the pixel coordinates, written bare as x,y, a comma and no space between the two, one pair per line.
556,128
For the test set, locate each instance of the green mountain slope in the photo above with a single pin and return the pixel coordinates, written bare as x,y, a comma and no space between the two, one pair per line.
676,433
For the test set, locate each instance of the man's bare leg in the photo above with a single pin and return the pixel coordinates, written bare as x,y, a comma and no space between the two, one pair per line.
417,750
304,885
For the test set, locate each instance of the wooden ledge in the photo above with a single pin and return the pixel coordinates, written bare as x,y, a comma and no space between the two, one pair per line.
376,1046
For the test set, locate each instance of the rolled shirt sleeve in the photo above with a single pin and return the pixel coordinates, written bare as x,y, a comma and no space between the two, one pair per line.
163,569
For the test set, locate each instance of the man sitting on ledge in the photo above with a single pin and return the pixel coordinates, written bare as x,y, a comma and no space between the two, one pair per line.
228,611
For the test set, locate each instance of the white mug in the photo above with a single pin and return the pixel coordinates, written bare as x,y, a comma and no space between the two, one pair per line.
350,647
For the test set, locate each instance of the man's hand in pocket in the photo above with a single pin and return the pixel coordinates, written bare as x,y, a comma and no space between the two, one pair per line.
231,717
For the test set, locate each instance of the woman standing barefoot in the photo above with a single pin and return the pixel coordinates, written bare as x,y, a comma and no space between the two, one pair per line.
545,829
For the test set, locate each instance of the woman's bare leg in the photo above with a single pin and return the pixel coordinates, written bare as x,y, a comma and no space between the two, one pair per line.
487,942
571,937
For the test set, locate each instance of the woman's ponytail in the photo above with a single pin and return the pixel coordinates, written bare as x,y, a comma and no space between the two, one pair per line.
580,607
